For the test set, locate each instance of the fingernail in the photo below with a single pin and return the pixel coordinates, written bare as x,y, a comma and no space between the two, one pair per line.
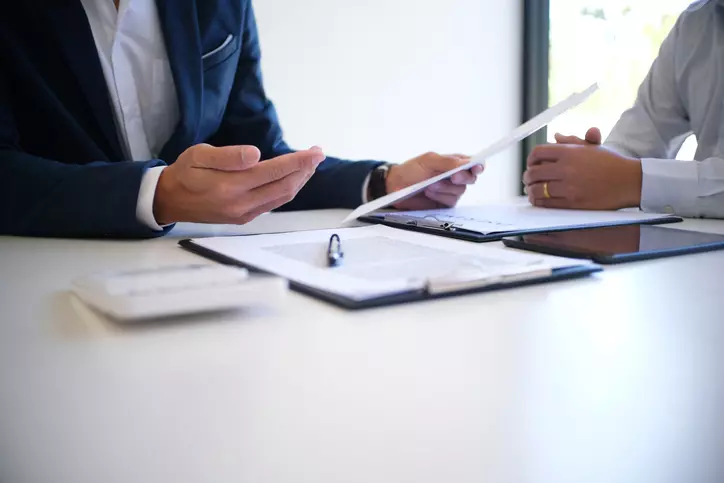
317,158
249,154
316,149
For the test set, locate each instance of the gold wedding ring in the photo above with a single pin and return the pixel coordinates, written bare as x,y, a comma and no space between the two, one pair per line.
546,194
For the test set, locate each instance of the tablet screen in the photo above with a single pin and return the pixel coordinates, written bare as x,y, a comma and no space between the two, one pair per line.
622,240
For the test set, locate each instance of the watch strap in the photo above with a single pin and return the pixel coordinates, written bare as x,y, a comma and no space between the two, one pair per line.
377,187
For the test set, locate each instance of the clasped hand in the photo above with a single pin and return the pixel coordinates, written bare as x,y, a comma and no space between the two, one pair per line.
581,174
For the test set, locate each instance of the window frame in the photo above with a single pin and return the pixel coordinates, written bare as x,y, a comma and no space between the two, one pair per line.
536,70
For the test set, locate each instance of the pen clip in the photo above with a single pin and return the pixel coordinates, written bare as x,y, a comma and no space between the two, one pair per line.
423,222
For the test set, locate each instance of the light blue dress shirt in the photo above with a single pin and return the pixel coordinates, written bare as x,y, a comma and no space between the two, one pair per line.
682,94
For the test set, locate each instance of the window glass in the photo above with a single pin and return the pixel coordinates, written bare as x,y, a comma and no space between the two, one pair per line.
613,42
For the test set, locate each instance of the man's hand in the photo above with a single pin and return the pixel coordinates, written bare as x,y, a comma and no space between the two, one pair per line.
439,195
207,184
582,176
593,138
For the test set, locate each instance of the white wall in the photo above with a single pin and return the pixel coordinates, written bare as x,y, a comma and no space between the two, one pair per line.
391,79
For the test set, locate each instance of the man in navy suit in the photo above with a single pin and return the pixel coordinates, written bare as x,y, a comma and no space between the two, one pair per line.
122,117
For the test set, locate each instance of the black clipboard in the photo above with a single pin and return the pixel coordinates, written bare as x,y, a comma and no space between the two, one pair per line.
567,273
450,231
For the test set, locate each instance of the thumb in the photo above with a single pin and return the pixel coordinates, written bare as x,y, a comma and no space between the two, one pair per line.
225,158
594,136
561,139
440,164
466,157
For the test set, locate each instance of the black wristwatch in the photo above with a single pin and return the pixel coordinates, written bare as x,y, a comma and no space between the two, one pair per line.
377,187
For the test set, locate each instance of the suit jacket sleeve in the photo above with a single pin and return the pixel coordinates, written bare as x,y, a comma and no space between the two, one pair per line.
41,197
250,118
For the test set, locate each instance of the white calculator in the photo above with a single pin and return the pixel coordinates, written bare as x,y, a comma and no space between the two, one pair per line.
177,290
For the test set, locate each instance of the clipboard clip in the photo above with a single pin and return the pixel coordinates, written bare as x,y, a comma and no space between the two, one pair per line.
430,221
469,280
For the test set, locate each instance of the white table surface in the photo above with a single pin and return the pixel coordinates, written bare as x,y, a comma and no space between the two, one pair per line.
614,378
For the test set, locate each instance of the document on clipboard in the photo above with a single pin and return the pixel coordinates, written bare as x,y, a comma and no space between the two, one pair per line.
496,221
384,265
517,135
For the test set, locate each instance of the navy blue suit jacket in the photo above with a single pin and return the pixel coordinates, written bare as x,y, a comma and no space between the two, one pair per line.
62,168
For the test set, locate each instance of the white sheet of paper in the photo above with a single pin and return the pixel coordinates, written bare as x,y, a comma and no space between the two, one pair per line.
378,260
517,135
522,216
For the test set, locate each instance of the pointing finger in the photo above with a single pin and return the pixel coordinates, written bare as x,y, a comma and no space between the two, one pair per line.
463,157
561,139
464,177
448,187
226,158
549,152
542,172
279,168
268,206
538,191
284,190
440,164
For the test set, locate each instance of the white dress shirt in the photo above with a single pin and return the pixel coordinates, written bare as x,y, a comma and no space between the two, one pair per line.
135,64
682,94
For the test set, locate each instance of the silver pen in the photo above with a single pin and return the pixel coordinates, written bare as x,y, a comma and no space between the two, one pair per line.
335,255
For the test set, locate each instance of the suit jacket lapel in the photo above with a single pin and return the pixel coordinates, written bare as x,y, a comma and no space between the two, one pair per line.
69,25
179,21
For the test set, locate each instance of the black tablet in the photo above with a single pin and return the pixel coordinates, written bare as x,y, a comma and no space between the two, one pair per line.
618,244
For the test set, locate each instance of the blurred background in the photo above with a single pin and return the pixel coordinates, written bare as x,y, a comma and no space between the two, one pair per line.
391,79
613,42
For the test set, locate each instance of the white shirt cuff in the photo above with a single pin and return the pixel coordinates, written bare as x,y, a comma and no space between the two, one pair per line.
146,195
670,186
